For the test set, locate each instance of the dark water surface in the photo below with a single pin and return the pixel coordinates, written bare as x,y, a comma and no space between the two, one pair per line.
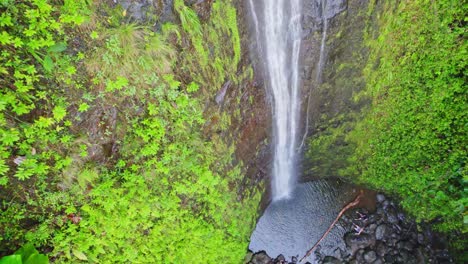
291,227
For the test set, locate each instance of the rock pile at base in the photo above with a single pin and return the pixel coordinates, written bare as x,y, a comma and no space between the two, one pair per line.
387,235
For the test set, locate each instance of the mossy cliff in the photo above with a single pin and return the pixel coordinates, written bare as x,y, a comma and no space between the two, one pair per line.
124,127
391,110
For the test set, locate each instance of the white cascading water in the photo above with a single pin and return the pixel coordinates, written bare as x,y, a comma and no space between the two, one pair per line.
278,36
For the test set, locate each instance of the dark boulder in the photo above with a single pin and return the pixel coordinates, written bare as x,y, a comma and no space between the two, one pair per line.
260,258
391,215
355,241
380,198
370,256
381,232
331,260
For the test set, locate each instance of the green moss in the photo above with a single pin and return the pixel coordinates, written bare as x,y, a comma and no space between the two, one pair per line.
163,194
411,139
191,25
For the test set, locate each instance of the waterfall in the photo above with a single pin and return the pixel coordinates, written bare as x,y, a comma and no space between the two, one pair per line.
278,34
318,77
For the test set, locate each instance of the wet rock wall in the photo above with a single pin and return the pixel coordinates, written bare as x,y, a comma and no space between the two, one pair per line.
329,85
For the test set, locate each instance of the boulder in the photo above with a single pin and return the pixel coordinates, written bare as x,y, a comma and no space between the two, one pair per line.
260,258
370,256
355,241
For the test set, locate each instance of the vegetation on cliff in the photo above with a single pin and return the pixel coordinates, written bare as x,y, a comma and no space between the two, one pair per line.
102,152
412,138
406,130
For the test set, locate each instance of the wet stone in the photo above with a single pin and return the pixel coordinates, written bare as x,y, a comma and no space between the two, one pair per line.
380,232
390,258
378,261
385,204
372,218
380,198
355,241
405,245
260,258
280,259
421,239
248,257
331,260
370,256
381,248
391,215
380,212
401,217
339,253
294,259
443,256
360,256
405,257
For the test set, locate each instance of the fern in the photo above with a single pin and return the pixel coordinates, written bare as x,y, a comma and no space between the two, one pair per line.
231,22
191,25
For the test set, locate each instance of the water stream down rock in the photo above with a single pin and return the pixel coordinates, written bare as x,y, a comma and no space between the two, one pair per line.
278,33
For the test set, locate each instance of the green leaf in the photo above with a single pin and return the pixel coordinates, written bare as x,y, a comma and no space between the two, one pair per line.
173,84
59,47
37,259
48,64
3,180
10,137
94,35
83,107
3,70
5,38
192,87
79,255
13,259
44,122
26,251
59,113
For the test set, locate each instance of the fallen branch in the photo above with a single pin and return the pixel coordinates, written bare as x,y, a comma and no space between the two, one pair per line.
347,207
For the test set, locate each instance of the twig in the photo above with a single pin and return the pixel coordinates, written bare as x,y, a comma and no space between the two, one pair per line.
347,207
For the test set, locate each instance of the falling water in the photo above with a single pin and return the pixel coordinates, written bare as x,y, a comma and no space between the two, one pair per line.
279,35
318,77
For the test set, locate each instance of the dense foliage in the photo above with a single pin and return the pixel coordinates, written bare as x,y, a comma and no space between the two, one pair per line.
103,155
405,132
412,139
25,255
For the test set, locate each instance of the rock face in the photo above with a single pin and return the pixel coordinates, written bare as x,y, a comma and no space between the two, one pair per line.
332,73
245,101
377,237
